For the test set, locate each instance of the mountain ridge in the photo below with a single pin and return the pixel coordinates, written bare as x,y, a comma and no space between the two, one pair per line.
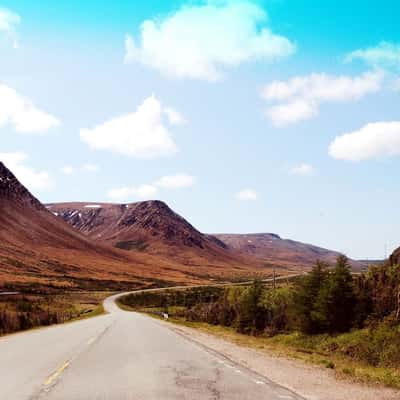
38,249
156,228
272,248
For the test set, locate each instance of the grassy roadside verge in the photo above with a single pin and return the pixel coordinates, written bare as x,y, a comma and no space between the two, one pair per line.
26,311
319,350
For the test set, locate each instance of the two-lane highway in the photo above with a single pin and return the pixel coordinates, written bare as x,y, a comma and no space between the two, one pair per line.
122,355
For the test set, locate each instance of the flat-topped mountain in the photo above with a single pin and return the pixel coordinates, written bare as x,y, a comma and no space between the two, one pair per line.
150,222
149,226
273,250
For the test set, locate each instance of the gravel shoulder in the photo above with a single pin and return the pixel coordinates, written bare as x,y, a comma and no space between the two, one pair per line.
309,381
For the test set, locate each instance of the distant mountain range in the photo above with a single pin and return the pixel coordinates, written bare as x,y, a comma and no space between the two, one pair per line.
101,245
152,227
273,250
37,249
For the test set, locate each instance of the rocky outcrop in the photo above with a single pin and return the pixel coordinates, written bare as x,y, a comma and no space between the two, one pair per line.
12,190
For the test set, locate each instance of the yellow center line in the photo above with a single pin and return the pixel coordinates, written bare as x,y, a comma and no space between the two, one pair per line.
50,380
90,341
56,374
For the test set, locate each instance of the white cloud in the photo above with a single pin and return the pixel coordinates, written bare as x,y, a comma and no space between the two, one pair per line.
22,113
142,134
294,111
175,181
374,140
25,174
125,193
8,22
299,98
174,117
69,169
178,181
90,167
201,41
384,55
302,169
247,195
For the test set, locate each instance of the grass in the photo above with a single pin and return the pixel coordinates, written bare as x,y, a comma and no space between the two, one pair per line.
322,350
95,312
40,310
139,245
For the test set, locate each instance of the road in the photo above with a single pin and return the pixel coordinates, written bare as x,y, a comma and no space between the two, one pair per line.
122,355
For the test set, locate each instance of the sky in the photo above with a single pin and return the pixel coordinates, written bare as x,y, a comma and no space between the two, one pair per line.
244,116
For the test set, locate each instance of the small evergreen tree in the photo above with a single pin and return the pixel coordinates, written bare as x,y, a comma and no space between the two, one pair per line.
249,318
305,296
335,305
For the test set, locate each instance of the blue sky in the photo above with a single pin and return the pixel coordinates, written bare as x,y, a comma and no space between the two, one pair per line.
245,116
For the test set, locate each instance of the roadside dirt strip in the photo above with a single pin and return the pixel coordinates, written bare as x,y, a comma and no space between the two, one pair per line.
308,381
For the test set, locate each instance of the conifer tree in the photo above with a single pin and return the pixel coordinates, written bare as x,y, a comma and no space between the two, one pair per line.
305,297
336,302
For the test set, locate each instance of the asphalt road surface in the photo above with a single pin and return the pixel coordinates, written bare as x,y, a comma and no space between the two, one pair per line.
122,355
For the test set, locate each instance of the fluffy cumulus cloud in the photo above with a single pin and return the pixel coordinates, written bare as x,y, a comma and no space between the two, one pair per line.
299,98
30,178
201,41
247,195
384,55
147,191
9,20
374,140
303,169
143,134
22,114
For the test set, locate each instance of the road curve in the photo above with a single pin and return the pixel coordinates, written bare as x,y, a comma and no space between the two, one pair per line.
122,356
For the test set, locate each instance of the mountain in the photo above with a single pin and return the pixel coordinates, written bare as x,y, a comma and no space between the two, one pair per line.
148,226
395,257
272,250
38,249
153,228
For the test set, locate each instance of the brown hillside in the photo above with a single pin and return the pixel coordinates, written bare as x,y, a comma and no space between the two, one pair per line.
37,248
273,250
150,227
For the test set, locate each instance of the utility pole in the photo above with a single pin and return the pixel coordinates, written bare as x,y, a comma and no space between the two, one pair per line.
274,280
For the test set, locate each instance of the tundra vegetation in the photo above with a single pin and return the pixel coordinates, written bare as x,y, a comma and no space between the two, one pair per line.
31,310
347,322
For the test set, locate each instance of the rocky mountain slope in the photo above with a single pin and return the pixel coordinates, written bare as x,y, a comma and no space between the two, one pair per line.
152,227
37,248
148,226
